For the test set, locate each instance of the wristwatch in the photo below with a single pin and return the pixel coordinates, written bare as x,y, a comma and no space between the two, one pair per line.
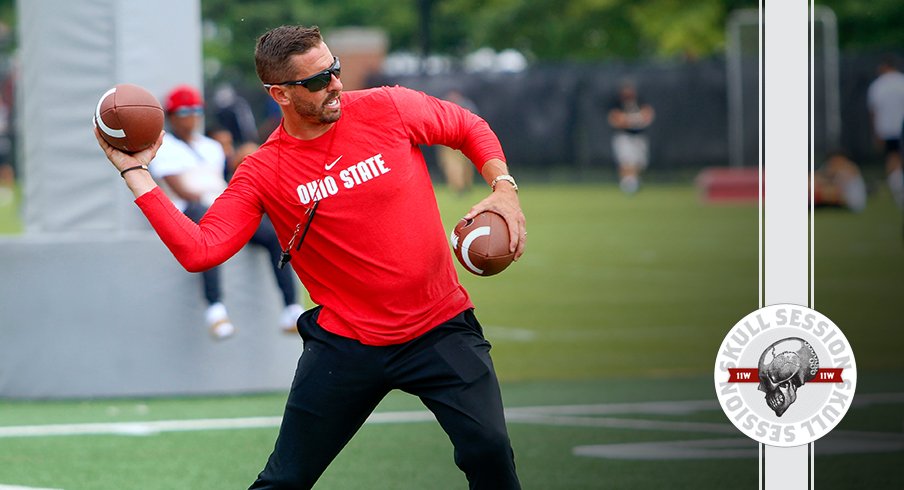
506,177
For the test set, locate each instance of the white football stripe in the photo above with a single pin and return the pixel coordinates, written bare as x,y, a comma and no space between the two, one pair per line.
466,245
115,133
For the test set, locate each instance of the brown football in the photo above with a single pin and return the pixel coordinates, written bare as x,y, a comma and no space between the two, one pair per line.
129,117
481,244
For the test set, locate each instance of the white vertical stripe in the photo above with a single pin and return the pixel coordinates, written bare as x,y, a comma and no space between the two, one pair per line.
812,465
786,152
785,203
760,153
760,467
812,168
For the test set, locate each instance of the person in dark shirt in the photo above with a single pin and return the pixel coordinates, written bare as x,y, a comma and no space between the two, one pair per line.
630,117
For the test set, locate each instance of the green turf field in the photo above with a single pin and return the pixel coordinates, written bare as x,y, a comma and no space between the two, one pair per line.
619,300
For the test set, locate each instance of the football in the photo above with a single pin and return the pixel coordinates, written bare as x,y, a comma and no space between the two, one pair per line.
129,117
481,244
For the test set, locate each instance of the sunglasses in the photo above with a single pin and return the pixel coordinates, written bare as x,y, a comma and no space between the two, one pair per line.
194,110
316,82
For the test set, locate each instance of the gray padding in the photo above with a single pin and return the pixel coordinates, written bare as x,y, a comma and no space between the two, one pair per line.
91,303
120,317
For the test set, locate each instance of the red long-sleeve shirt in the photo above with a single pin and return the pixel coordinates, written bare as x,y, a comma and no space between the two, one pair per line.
376,256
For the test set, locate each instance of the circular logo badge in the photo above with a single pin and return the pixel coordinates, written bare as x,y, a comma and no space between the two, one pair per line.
785,375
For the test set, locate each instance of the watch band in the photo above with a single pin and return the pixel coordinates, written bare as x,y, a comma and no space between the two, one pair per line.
506,177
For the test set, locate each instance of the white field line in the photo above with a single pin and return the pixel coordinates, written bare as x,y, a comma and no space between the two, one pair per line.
617,423
16,487
138,428
154,427
661,408
559,415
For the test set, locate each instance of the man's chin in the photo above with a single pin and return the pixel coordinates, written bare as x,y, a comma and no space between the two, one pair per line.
330,117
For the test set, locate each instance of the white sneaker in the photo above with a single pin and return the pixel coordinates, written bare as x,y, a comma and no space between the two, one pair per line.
288,320
218,324
629,184
854,192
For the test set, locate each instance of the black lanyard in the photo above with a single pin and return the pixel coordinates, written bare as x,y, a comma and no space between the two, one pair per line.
286,255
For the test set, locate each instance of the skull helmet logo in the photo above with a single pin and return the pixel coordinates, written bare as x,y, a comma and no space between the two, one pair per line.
784,367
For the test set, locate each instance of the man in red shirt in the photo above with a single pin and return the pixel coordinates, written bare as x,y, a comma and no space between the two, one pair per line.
343,174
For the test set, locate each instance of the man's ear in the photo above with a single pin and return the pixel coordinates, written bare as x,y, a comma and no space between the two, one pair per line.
279,94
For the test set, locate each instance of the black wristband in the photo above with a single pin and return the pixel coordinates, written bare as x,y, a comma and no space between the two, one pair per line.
136,167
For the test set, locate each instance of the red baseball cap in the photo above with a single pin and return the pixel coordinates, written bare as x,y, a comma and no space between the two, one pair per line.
183,96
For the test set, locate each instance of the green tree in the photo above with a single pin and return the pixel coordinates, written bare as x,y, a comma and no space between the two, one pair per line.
594,29
549,30
544,29
675,27
868,25
233,26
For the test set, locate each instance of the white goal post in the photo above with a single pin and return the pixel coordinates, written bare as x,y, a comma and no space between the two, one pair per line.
742,46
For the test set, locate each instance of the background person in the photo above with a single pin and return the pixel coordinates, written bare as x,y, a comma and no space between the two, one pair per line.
7,173
885,98
392,312
265,236
838,182
630,117
191,168
233,113
457,169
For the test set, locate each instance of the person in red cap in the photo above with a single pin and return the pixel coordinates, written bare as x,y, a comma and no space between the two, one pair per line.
190,168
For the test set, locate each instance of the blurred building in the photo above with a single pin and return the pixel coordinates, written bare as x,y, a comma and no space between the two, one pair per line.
362,51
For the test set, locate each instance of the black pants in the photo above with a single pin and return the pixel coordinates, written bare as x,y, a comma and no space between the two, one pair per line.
265,236
340,381
210,278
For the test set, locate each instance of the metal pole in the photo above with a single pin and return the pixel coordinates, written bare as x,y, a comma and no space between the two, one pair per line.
425,10
735,78
826,16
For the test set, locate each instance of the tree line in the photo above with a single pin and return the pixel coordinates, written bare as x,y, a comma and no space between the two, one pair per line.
543,30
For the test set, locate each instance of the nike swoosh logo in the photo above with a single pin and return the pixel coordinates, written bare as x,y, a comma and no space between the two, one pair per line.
331,165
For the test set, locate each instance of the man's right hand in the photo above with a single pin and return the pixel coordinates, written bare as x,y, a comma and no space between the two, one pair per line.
122,160
138,180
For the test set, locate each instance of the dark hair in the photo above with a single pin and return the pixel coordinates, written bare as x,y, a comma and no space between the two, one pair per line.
276,46
889,60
